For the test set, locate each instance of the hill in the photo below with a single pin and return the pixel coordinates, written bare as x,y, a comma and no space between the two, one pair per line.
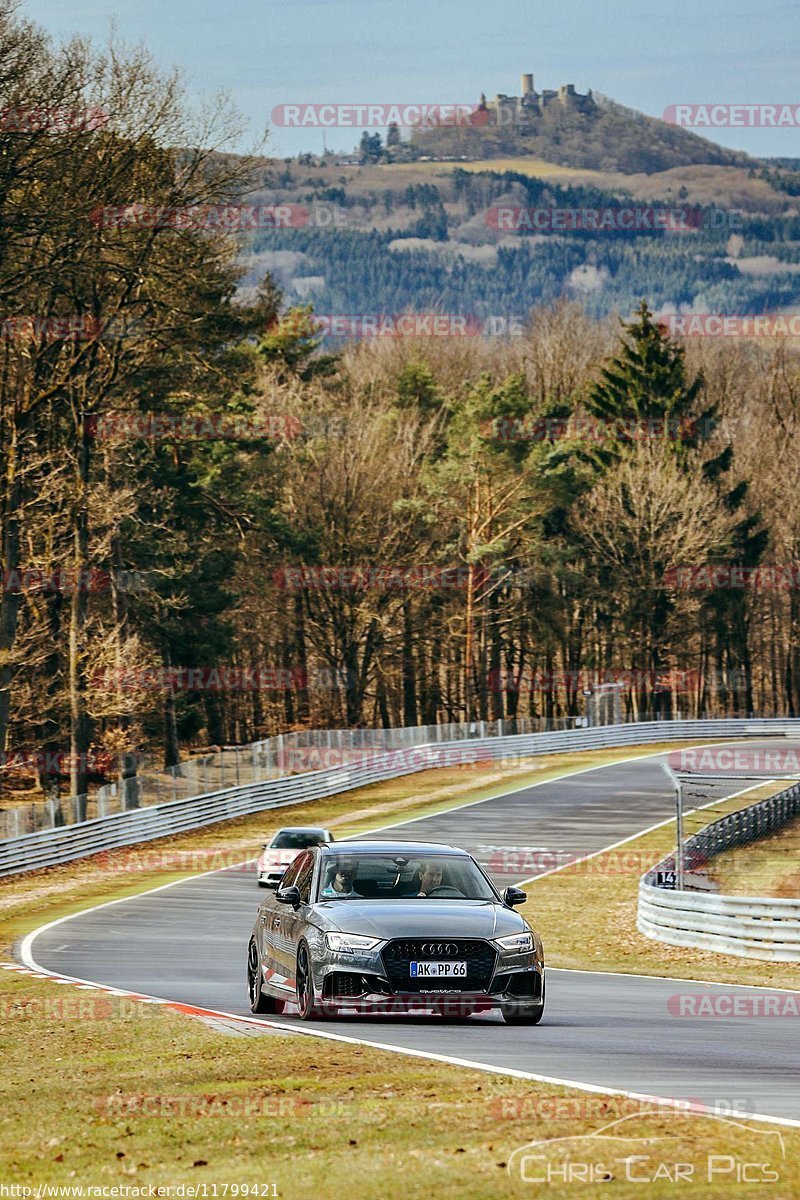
594,134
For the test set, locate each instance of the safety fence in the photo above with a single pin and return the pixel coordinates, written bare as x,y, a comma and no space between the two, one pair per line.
477,745
226,767
749,926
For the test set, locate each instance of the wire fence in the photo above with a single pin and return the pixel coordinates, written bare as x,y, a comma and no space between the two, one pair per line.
365,766
760,927
236,766
739,828
272,758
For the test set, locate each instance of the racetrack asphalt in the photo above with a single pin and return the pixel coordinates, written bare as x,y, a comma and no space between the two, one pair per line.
187,942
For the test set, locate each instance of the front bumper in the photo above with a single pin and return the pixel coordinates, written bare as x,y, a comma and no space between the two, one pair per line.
380,982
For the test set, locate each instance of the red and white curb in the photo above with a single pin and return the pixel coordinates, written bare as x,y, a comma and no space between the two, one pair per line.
208,1015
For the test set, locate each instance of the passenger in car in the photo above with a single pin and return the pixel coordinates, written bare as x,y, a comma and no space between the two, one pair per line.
342,883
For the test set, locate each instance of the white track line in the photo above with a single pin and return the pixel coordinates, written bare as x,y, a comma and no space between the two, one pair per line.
26,954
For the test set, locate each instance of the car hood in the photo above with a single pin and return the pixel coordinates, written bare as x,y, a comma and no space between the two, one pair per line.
421,918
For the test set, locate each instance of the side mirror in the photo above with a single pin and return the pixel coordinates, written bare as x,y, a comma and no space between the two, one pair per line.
289,895
513,896
265,845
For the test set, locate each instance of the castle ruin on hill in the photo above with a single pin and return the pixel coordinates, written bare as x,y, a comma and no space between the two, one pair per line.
508,110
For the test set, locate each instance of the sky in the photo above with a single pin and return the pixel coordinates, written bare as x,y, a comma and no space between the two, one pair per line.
645,55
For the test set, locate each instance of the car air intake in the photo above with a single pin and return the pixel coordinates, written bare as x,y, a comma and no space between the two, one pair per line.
344,983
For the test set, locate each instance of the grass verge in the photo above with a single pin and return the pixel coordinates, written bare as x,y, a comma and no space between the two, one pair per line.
98,1092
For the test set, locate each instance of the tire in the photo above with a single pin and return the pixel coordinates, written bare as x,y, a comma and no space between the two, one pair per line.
516,1013
261,883
259,1002
308,1009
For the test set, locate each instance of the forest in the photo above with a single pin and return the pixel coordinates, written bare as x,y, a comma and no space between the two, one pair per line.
216,527
468,242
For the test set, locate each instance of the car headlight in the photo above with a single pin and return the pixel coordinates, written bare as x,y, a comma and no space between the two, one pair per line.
350,943
515,941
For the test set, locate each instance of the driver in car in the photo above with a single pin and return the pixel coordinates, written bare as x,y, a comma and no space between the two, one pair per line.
430,878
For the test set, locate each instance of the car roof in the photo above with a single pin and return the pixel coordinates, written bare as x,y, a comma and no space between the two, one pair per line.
408,849
301,829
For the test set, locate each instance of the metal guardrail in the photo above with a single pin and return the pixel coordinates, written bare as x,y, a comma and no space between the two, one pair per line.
50,847
235,766
760,927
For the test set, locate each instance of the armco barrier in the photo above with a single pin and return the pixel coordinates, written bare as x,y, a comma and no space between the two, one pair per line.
748,926
50,847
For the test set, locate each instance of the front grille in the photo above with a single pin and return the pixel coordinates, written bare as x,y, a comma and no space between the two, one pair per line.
479,956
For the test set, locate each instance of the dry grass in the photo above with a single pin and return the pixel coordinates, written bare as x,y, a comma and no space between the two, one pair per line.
770,867
194,1106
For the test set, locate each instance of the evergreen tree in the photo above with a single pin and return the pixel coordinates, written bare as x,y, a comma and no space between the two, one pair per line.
370,147
644,392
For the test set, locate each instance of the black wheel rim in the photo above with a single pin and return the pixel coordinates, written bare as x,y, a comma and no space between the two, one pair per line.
253,987
303,998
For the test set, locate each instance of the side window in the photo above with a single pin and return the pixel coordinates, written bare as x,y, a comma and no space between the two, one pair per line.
304,874
290,874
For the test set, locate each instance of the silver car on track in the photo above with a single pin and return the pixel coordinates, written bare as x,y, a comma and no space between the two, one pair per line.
388,927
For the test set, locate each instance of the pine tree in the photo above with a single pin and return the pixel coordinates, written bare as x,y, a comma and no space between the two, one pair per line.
644,391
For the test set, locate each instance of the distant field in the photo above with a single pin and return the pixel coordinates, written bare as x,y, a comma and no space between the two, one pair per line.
729,187
524,164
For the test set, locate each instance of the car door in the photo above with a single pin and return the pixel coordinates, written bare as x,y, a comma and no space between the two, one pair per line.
295,919
273,930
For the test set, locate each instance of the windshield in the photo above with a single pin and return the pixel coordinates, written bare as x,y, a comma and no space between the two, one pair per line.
395,877
297,839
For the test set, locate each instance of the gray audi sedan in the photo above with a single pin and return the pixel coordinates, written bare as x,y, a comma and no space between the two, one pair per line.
388,927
